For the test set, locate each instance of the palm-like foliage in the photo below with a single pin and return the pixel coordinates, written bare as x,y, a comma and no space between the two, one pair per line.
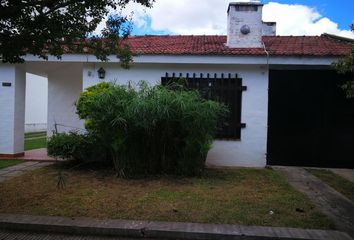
153,129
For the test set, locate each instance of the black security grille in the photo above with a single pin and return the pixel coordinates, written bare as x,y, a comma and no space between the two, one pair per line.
223,88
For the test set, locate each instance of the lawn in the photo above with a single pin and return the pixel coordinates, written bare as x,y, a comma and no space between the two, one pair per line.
35,134
9,163
337,182
244,196
35,140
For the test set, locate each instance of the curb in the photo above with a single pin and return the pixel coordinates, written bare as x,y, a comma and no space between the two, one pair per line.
149,229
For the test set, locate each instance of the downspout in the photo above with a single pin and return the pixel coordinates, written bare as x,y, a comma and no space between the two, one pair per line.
267,53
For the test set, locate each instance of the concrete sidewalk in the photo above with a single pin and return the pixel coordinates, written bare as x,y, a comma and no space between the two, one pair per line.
336,206
10,172
159,230
37,155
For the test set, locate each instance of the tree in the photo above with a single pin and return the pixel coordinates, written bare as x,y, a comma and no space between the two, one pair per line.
55,27
345,65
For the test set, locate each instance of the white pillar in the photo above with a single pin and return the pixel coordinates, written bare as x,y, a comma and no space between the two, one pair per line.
64,88
12,109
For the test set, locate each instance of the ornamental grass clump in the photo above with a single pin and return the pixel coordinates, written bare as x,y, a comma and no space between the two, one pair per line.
151,130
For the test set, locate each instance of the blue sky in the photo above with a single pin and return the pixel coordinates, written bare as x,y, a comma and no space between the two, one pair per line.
177,17
148,30
340,11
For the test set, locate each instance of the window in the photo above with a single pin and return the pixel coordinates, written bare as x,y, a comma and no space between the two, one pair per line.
227,89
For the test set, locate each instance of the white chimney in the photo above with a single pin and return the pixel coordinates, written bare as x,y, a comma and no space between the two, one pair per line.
245,27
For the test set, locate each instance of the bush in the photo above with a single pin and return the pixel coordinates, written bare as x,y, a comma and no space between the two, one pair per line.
151,130
75,146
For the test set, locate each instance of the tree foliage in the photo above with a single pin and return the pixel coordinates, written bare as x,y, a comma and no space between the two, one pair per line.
53,27
345,66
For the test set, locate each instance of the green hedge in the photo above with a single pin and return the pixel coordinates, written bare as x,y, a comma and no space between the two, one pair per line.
150,130
76,146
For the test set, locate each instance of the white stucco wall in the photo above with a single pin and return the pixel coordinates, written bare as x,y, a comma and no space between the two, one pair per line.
269,29
250,151
237,19
36,103
12,108
64,87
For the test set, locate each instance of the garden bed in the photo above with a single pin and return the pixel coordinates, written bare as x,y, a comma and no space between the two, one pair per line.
245,196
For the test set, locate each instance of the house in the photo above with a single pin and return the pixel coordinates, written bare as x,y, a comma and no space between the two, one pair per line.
286,105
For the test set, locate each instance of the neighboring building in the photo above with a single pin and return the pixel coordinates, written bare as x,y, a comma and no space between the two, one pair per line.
286,105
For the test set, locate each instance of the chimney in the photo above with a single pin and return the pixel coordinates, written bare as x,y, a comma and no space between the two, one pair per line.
245,27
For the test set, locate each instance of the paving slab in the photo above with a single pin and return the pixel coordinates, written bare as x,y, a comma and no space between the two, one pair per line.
17,167
3,171
159,230
13,173
20,169
336,206
44,164
34,167
3,178
345,173
38,155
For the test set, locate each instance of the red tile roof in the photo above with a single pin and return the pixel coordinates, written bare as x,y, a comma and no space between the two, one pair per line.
325,45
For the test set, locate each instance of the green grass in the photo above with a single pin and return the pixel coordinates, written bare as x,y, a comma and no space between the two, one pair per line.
244,196
35,143
35,140
35,134
9,163
337,182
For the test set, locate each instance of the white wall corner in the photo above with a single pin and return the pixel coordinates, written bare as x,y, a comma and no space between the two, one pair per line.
12,105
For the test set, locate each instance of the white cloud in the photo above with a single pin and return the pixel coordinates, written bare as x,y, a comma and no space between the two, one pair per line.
300,20
209,17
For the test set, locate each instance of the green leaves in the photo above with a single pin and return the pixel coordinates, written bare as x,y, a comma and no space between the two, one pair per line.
151,130
345,66
47,27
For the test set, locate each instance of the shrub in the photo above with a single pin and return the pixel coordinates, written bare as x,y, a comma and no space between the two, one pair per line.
151,130
75,146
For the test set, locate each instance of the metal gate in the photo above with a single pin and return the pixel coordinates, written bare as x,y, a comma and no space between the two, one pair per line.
310,121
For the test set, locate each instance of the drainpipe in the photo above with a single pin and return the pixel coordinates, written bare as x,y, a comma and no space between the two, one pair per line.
267,53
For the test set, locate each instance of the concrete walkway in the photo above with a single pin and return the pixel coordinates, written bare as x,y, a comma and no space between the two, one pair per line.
10,172
159,230
345,173
38,155
336,206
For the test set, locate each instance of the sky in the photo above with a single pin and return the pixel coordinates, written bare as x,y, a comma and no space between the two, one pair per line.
205,17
